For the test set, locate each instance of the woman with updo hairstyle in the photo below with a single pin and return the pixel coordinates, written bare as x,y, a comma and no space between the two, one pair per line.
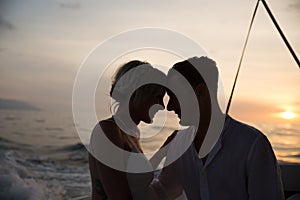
135,99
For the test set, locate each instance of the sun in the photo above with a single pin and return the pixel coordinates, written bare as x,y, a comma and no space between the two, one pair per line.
288,115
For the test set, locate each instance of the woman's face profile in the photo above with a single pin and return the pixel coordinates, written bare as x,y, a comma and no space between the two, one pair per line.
151,105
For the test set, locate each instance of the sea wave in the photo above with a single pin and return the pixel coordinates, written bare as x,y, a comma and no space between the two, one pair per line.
7,144
73,147
18,182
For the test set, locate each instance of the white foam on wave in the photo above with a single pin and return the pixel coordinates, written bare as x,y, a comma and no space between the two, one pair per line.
16,182
13,187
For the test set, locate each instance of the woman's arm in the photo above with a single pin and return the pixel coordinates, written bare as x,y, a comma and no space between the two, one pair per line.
106,181
162,152
114,182
168,184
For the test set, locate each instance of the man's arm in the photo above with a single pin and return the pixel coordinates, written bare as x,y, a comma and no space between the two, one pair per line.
263,176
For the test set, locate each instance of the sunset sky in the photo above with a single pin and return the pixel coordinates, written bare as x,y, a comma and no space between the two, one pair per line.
43,44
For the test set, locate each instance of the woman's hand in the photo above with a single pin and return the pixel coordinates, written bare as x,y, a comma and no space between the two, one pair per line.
162,152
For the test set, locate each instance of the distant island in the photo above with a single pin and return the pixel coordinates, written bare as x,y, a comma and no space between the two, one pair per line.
11,104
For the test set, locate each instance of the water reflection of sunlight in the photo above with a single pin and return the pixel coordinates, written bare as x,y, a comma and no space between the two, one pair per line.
285,139
288,115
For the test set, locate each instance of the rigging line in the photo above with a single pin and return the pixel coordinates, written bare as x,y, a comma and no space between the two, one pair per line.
242,56
280,32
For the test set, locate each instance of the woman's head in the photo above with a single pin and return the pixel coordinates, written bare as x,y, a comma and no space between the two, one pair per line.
117,94
135,86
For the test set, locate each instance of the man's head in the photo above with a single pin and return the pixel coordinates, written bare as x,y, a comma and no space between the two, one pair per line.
201,74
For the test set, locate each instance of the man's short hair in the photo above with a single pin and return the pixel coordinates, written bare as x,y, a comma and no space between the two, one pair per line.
198,70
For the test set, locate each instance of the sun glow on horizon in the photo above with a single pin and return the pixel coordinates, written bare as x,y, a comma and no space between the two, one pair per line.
288,115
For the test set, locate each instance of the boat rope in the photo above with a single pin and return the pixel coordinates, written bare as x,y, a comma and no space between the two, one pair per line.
280,32
242,56
246,42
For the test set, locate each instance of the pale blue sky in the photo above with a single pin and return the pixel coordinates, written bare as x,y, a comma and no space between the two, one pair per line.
44,42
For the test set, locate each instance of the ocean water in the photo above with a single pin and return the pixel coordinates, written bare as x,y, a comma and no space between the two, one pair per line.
42,156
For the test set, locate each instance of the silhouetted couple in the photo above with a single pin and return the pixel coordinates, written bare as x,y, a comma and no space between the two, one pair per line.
215,157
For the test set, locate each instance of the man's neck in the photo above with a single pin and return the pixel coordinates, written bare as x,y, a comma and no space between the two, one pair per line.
208,114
